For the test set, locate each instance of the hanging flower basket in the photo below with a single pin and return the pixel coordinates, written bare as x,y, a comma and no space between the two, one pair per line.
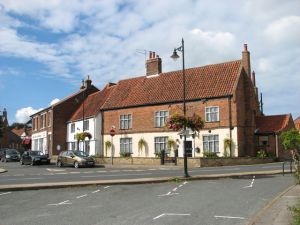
81,136
177,122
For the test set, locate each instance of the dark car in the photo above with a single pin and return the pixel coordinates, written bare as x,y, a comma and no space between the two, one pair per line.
34,158
74,158
9,155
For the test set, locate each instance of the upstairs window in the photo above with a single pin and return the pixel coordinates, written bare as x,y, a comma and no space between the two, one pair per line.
212,114
72,128
160,118
125,122
49,118
43,118
86,125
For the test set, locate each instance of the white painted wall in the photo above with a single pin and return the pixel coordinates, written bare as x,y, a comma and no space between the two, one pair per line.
149,138
95,127
39,141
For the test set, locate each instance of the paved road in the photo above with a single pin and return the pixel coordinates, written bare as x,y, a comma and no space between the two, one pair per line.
18,174
205,202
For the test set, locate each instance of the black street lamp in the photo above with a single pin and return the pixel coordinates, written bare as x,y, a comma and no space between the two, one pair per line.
175,56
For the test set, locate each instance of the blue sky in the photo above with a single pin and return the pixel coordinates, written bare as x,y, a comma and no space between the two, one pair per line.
48,47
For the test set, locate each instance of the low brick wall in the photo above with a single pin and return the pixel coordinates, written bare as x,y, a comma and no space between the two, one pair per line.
208,162
192,162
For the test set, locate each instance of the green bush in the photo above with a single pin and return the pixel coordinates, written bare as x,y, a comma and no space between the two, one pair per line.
210,154
125,154
296,213
261,154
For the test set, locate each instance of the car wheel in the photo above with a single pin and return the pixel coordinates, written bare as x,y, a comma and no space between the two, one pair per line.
76,164
59,164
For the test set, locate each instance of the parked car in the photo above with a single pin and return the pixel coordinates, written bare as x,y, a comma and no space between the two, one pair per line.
34,157
74,158
9,155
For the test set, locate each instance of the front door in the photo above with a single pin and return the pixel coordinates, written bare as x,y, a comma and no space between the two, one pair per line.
189,148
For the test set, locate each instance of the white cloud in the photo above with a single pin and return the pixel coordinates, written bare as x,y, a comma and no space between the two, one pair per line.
23,114
54,101
286,29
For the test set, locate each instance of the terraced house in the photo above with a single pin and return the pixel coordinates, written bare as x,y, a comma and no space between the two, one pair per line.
224,95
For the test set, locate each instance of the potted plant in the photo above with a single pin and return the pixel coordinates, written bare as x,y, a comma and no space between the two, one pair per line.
227,145
108,145
177,122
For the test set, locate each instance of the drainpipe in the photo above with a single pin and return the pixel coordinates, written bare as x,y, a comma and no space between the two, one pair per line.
276,145
230,124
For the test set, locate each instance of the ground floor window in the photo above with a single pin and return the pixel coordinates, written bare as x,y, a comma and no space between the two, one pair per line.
87,147
211,143
126,145
160,143
263,140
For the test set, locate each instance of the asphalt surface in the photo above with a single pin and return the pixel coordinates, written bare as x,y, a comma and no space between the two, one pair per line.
19,174
206,202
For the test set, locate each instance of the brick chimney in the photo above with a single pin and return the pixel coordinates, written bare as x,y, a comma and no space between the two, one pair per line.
153,64
88,82
246,60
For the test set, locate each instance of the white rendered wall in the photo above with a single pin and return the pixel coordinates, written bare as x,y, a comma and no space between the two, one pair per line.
149,138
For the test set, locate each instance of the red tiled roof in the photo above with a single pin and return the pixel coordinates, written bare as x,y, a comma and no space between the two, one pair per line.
17,131
272,124
92,104
201,82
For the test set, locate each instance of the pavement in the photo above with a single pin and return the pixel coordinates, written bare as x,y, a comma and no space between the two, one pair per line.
276,212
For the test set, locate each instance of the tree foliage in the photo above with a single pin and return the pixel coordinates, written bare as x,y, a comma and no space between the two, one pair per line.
291,139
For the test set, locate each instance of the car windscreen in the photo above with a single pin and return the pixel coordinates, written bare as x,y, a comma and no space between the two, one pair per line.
80,154
36,153
11,151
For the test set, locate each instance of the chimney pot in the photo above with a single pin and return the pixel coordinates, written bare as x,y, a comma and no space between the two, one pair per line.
245,47
246,61
153,56
150,55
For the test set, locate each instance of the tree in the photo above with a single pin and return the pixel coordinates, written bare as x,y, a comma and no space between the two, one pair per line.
291,139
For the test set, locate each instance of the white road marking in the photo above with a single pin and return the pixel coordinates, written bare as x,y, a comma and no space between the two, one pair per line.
171,214
81,196
212,170
175,189
106,187
67,202
230,217
5,193
74,172
17,175
291,196
96,191
181,185
89,172
100,171
56,170
185,182
61,173
251,185
168,194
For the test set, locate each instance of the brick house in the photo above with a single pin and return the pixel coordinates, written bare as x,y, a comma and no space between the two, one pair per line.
224,95
268,132
297,123
49,126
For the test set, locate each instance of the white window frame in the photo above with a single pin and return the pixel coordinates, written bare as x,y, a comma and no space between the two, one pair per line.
126,145
125,121
212,114
72,128
160,143
86,125
160,118
49,118
43,118
211,143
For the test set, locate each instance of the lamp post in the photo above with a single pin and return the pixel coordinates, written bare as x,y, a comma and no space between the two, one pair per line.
175,56
83,93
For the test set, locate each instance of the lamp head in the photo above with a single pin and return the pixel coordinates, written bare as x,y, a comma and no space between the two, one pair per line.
175,56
